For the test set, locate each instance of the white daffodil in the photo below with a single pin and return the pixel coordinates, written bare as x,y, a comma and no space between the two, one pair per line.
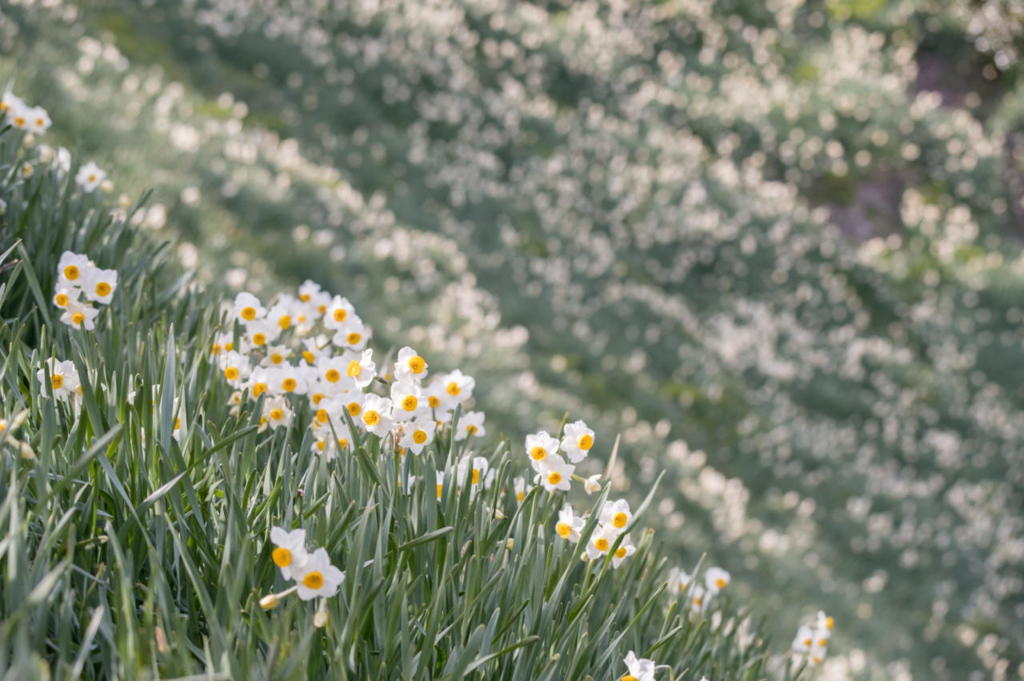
259,334
59,378
435,396
471,424
352,335
700,598
247,308
592,484
569,524
458,388
38,120
289,380
89,177
283,312
408,400
331,372
716,579
376,415
625,550
540,446
521,488
276,413
276,356
600,541
290,550
804,640
235,367
360,367
410,365
99,285
337,313
472,470
72,270
577,441
315,350
439,486
640,669
79,315
678,580
316,577
616,515
417,434
555,473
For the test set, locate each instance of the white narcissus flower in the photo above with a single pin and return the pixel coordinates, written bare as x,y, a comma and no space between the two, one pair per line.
592,484
290,550
804,640
375,416
331,372
577,441
38,120
276,413
407,399
62,161
699,598
410,365
235,367
678,580
625,550
555,473
337,313
471,424
99,285
289,380
521,487
569,524
640,669
89,177
59,378
417,434
716,579
247,308
79,315
439,486
539,446
615,515
458,388
316,577
472,469
276,356
72,269
360,367
600,541
352,335
259,333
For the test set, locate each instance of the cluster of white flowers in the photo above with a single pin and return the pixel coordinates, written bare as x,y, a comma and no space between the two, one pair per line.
811,641
77,276
312,572
715,581
335,371
35,120
613,520
16,112
553,472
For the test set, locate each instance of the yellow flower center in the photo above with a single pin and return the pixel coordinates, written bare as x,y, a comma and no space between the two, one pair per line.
342,442
822,642
475,476
258,389
620,519
276,358
808,642
601,544
71,272
231,373
322,416
289,384
628,677
317,397
259,339
19,121
409,403
585,441
554,478
354,408
332,375
56,381
103,289
720,583
419,436
313,580
439,488
354,369
433,401
453,388
829,622
308,356
77,318
281,556
538,453
371,418
216,349
563,529
229,346
61,300
249,313
276,414
354,338
520,496
40,122
340,314
698,600
284,321
320,445
471,429
416,364
177,424
304,297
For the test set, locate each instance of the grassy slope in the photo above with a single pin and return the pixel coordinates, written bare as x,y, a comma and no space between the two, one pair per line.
686,298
